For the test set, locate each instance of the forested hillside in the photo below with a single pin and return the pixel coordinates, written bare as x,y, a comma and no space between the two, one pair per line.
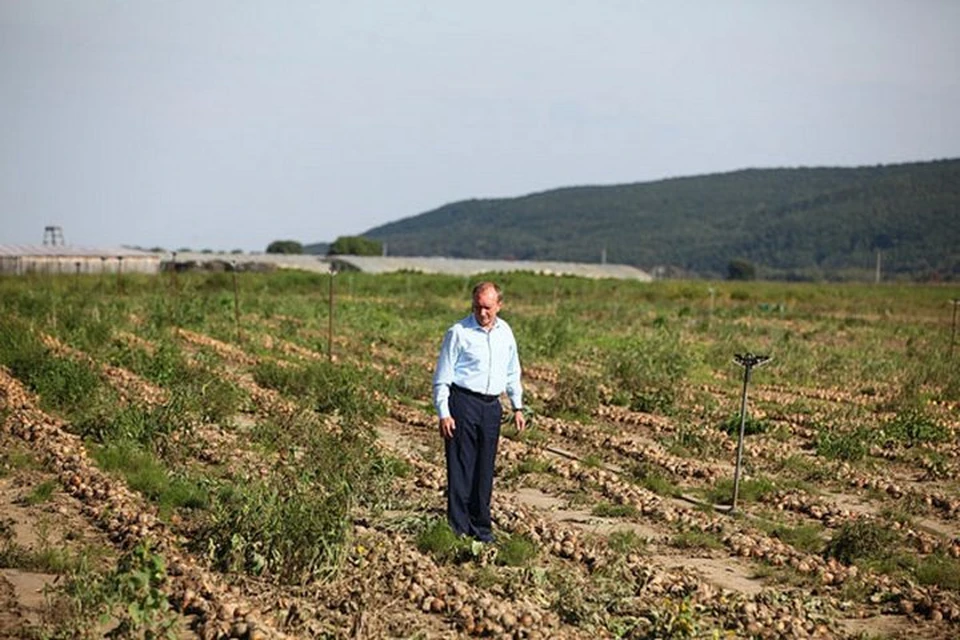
802,222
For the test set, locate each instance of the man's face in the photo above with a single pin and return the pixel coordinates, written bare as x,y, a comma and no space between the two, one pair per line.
485,308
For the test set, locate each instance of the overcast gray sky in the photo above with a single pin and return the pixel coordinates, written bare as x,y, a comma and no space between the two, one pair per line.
227,124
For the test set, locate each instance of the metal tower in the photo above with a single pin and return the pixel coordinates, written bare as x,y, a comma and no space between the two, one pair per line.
52,235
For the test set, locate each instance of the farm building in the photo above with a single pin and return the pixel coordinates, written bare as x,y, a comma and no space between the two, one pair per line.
25,259
187,260
465,267
393,264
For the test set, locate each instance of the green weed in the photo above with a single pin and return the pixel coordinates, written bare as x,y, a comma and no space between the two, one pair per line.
45,558
862,540
64,385
373,484
292,525
897,513
43,492
131,598
147,427
751,490
914,426
570,598
407,385
280,431
147,475
216,399
802,537
696,540
648,371
591,461
439,540
855,590
16,459
674,620
485,577
531,435
284,528
610,510
88,326
138,587
515,550
544,336
576,394
652,478
590,602
849,446
392,466
532,465
940,570
805,468
751,426
935,464
327,387
624,541
689,441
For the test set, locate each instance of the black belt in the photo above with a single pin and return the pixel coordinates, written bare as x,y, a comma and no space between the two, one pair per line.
471,392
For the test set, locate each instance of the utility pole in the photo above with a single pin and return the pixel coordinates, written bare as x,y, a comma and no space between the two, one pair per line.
953,328
333,272
236,301
748,361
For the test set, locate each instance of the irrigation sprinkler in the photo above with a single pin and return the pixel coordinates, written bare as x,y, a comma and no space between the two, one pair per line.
236,302
748,361
119,274
175,289
953,328
333,272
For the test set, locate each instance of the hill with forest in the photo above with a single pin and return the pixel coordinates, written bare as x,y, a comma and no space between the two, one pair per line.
789,223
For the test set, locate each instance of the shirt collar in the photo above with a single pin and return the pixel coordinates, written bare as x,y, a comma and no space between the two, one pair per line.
473,324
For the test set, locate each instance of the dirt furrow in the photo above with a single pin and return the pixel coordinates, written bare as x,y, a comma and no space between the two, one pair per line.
497,616
127,384
743,543
124,516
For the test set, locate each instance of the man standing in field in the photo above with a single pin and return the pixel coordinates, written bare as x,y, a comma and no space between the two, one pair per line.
478,362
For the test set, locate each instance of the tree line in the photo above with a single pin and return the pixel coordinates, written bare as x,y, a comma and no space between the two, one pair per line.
792,223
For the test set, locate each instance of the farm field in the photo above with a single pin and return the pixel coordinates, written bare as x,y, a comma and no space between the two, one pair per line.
188,456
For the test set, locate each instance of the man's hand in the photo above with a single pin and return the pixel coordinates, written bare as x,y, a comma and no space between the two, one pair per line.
519,420
447,427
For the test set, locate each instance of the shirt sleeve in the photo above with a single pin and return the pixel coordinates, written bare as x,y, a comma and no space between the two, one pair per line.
443,375
514,388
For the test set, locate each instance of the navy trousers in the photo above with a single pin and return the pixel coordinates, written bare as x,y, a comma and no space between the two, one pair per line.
470,460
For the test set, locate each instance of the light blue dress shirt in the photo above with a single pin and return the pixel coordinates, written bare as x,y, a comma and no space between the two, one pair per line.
483,361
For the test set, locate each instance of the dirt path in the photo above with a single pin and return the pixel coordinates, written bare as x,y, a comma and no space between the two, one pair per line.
14,624
29,528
